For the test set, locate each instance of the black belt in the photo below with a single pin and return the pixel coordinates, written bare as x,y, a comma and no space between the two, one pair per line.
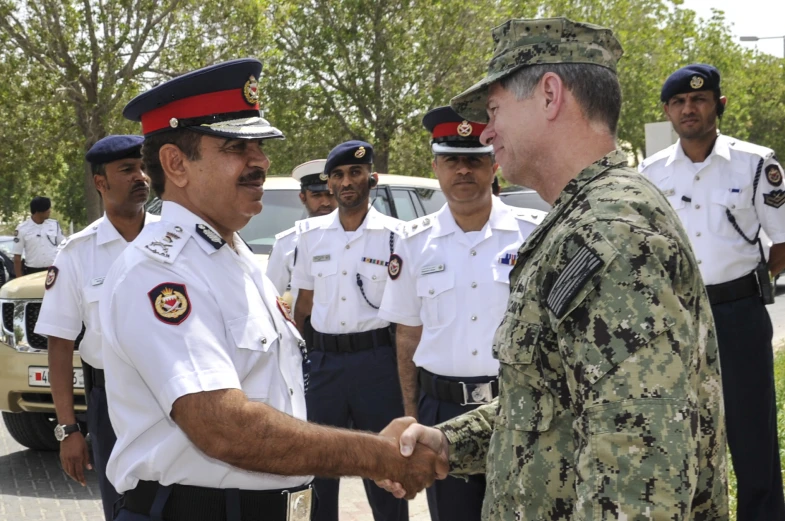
98,377
352,342
190,503
746,286
463,393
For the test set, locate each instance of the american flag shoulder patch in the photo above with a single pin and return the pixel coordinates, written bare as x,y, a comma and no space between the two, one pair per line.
583,265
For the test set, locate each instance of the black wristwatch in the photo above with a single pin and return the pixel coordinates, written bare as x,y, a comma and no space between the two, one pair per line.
62,431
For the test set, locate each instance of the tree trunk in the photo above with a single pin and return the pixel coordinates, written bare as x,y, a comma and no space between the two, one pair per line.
381,152
93,205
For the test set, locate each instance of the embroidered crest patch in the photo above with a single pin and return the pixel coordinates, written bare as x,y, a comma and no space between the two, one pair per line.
576,273
51,277
286,309
170,302
394,266
774,175
775,198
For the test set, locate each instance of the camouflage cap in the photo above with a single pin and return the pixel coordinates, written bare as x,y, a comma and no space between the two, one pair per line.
523,42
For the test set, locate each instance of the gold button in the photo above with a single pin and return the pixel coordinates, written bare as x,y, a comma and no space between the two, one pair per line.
474,317
473,253
344,272
347,246
474,284
430,292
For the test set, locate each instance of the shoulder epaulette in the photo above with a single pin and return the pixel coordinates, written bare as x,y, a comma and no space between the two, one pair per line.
751,148
530,215
662,154
312,223
88,231
281,235
416,226
162,241
393,224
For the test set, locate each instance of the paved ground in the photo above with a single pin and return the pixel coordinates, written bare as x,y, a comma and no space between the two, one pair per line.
34,488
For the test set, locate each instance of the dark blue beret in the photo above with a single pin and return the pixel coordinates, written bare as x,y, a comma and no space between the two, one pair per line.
112,148
349,153
694,77
220,100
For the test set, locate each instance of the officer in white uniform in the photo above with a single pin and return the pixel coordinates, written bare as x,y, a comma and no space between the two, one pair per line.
341,272
36,239
317,200
725,191
73,287
448,290
203,361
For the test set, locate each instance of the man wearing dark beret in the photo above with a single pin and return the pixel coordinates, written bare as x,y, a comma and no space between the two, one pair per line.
725,191
73,286
343,260
610,404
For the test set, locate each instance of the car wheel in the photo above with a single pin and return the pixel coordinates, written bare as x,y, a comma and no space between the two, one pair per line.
34,430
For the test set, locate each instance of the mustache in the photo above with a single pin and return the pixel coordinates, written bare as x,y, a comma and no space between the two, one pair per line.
140,185
254,175
469,178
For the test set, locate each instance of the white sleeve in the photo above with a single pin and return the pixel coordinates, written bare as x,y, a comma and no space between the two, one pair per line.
173,359
301,275
400,303
770,201
277,266
60,235
60,314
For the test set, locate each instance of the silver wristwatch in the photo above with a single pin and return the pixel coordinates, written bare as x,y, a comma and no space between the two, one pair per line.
62,431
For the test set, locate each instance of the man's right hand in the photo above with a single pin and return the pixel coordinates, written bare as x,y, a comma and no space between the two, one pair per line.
75,457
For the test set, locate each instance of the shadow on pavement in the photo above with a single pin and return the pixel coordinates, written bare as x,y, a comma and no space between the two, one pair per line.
32,473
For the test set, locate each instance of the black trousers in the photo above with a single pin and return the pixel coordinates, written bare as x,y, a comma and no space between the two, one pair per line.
102,439
359,390
744,334
452,499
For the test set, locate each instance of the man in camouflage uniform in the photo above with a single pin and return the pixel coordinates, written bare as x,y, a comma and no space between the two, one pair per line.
610,397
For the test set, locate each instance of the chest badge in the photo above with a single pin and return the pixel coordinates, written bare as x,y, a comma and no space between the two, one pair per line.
285,309
394,266
774,175
508,259
170,303
51,277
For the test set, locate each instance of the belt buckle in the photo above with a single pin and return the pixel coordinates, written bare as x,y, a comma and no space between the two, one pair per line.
480,395
298,504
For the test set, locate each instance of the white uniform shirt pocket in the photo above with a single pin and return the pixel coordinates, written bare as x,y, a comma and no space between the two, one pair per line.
739,202
255,337
374,278
325,280
437,292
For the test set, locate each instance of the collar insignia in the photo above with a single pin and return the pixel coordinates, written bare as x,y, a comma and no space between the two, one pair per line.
206,233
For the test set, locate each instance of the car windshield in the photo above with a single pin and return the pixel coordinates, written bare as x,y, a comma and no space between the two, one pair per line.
280,209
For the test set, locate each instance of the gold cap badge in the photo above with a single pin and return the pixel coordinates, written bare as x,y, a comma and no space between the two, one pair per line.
251,91
696,82
360,153
465,129
323,176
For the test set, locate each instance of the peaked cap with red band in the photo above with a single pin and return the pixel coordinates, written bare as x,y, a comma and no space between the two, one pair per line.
453,135
220,100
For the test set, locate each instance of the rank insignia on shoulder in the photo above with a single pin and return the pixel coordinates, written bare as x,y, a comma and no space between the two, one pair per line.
774,175
436,268
374,261
775,198
321,258
583,265
508,259
394,266
170,302
206,233
285,309
51,277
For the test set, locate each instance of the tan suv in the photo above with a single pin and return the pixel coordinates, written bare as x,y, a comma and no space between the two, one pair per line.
25,398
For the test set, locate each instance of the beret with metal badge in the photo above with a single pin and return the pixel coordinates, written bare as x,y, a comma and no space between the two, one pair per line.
349,153
692,78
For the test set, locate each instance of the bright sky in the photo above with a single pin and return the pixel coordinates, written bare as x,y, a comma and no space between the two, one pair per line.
749,18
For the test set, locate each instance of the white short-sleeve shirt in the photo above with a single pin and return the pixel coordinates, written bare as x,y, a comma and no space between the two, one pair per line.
37,242
183,313
333,263
456,286
280,265
71,298
704,193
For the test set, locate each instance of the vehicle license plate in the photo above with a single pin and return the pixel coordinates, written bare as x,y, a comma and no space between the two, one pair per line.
39,377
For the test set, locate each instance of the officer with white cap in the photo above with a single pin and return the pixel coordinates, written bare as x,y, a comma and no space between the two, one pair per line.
448,289
317,200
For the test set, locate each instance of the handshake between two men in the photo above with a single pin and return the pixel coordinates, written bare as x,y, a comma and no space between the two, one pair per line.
427,451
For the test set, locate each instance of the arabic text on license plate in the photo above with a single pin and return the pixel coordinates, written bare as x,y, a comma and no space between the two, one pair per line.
39,377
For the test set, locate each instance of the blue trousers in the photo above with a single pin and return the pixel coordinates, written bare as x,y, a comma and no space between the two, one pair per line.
102,439
452,499
744,336
359,390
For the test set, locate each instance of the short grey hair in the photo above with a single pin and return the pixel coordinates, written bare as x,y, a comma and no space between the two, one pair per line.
595,87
